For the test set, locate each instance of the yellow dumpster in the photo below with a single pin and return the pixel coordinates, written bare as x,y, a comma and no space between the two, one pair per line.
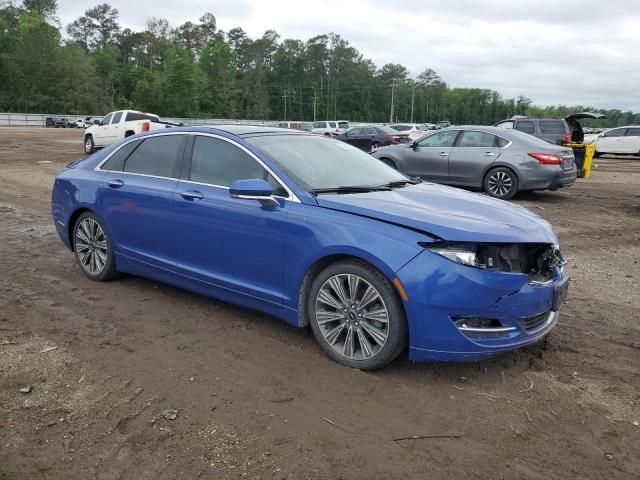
583,153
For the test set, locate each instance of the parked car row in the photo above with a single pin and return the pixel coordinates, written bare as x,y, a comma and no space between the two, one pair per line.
319,233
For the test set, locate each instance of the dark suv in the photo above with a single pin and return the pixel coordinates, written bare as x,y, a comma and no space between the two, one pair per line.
554,130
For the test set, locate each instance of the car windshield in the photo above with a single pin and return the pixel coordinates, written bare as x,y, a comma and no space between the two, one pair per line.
317,162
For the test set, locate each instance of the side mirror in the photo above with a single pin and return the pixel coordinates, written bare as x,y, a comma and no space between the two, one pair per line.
253,189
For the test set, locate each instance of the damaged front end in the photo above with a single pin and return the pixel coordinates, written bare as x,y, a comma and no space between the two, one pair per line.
540,262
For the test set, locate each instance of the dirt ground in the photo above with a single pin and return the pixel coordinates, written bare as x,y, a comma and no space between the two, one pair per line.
255,398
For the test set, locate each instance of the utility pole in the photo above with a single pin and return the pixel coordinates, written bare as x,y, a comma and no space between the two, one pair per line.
335,102
393,86
413,96
315,100
285,95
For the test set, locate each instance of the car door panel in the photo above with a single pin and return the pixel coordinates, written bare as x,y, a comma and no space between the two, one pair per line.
429,158
474,152
137,200
231,243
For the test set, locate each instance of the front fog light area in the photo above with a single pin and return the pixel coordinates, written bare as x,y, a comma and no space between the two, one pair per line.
475,327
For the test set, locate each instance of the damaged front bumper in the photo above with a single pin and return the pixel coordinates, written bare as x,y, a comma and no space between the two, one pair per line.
457,312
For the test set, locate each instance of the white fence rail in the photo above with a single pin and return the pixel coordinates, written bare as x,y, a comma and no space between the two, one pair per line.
39,120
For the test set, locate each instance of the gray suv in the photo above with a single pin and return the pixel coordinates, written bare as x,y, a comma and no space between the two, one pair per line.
553,130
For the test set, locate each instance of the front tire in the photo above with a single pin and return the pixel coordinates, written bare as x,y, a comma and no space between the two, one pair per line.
92,248
89,145
501,183
356,315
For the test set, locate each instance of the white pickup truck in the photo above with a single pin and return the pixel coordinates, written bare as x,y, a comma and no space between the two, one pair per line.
118,125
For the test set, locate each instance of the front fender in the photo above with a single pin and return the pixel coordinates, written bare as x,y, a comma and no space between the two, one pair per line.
385,246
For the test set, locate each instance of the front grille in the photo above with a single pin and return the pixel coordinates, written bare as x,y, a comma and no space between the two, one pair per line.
531,324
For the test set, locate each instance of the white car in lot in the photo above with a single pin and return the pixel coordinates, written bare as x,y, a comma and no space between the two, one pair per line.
619,140
414,130
118,125
331,128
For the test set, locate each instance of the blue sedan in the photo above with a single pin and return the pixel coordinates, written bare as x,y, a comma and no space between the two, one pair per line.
317,233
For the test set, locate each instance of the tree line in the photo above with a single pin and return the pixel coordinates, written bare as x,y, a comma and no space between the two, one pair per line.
93,65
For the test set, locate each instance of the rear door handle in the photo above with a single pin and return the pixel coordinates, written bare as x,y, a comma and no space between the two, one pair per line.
192,195
489,154
115,183
443,154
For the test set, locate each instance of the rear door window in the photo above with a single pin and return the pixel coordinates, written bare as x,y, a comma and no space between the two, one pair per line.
157,156
332,124
353,132
116,118
633,132
116,161
552,126
617,132
526,126
478,139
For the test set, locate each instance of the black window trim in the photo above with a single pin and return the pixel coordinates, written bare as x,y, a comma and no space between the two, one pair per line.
184,162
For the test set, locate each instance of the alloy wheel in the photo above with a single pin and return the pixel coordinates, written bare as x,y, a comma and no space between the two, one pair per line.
91,246
352,316
500,183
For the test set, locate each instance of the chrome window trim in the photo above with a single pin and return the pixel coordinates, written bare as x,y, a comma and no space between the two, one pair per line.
292,196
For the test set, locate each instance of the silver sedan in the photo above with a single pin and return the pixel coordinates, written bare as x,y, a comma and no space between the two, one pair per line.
498,161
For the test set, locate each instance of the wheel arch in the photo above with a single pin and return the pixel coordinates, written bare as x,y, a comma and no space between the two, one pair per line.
389,161
495,165
128,133
322,263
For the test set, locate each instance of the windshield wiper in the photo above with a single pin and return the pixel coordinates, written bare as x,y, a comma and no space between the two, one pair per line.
351,189
401,183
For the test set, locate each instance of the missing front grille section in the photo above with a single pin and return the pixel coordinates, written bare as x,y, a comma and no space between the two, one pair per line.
536,260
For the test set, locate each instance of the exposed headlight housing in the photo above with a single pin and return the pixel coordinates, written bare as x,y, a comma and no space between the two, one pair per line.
540,262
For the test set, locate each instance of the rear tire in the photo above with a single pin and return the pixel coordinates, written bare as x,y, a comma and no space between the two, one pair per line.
356,315
89,146
501,183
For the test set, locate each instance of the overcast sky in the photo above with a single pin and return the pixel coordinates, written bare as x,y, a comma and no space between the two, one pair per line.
555,52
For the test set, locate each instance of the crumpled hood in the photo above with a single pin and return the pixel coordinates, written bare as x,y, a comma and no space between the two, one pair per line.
449,213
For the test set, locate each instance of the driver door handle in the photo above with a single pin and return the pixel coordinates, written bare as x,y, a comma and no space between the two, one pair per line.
443,154
192,195
489,154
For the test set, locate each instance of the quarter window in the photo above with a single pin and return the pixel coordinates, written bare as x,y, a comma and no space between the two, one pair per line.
218,162
507,125
157,156
442,139
478,139
526,126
